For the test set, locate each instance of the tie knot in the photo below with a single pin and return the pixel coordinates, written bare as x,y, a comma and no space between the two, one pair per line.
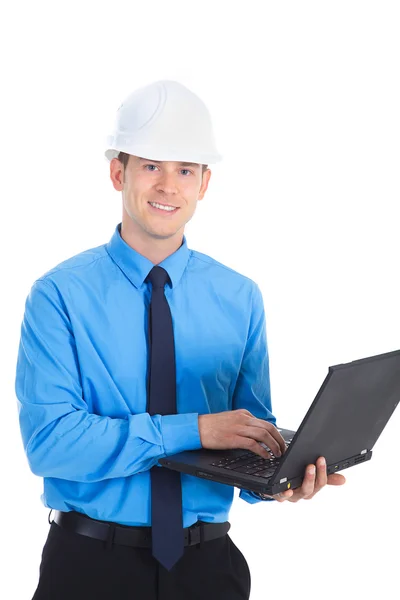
158,277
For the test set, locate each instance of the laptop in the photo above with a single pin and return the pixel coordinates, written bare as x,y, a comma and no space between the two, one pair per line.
343,423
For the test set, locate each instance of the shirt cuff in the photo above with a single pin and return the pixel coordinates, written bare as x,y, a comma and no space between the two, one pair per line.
180,432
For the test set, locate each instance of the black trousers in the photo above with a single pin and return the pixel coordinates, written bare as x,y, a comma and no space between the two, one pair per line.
76,567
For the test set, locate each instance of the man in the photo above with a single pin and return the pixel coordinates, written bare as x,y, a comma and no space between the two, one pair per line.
135,350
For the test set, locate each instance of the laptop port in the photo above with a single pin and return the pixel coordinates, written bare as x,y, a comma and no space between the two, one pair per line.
359,459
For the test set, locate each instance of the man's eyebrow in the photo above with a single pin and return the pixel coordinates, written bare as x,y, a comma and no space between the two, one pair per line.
186,164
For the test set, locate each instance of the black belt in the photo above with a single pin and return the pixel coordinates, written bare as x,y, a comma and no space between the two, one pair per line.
131,535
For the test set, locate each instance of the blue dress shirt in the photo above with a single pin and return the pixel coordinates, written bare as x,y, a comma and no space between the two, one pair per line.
82,370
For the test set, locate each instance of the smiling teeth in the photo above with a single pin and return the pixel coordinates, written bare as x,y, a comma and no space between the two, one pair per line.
167,208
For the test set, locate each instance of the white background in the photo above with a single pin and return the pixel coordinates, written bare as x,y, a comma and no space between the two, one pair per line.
305,102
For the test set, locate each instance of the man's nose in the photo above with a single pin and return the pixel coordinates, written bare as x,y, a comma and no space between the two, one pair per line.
167,183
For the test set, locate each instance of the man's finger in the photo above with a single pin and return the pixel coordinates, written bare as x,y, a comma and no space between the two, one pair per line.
322,477
282,496
272,430
258,434
285,495
307,487
336,479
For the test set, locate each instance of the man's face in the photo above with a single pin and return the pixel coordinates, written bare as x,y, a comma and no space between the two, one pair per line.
147,183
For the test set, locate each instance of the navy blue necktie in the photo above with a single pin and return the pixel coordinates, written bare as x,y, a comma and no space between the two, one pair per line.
166,490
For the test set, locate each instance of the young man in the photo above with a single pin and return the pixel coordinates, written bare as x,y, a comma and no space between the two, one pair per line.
135,350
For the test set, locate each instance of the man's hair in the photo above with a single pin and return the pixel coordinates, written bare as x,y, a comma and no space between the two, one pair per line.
123,157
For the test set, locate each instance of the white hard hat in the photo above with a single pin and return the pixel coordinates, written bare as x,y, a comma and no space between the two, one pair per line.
164,121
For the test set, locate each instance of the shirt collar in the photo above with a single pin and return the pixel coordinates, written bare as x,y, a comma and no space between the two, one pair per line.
136,266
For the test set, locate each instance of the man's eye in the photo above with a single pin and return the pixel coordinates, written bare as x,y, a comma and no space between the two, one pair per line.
151,170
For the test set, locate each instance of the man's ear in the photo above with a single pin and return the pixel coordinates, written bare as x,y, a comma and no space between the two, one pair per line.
117,174
204,183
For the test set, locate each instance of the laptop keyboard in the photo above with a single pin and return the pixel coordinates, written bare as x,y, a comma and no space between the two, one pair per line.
251,463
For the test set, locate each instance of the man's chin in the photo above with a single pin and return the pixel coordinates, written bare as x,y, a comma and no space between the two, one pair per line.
165,235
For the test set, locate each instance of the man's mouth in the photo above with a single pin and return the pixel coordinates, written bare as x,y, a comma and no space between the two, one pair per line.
166,208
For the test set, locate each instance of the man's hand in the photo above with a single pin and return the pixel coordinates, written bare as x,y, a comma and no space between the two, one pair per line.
240,429
313,482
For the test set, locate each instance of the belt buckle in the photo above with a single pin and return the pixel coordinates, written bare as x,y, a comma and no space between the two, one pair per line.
194,535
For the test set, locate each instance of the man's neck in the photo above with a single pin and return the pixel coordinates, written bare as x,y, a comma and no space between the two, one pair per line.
156,250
